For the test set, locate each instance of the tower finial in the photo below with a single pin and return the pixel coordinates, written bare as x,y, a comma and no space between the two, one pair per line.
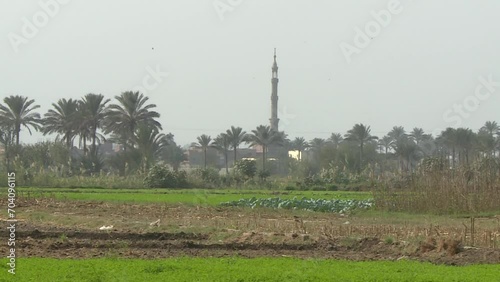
275,53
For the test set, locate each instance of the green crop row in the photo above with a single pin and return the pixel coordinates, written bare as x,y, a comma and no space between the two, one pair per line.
239,269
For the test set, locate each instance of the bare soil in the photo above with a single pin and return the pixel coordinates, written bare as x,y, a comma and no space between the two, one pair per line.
70,229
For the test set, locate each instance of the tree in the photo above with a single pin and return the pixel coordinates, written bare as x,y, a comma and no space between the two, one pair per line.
448,139
300,144
204,143
222,143
236,136
488,134
386,143
93,112
465,140
150,143
264,136
336,139
397,133
62,119
361,135
18,112
407,150
418,135
491,127
316,145
129,113
174,155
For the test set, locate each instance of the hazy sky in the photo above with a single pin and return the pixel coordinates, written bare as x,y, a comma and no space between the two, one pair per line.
427,57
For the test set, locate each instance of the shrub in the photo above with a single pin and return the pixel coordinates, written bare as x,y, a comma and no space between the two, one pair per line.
264,174
318,188
159,176
248,168
332,187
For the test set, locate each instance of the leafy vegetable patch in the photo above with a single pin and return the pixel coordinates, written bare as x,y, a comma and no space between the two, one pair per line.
322,205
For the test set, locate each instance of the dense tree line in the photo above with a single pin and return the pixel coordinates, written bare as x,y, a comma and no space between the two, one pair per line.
132,122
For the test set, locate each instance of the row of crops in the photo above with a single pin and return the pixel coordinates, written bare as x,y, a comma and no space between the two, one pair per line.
321,205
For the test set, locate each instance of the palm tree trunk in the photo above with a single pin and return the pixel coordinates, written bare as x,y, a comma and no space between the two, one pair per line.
205,158
264,148
360,156
18,131
225,159
235,157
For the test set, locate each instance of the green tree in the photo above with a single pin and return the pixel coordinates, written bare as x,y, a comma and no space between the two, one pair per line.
236,136
222,143
360,134
418,135
264,136
465,141
336,139
397,133
407,151
174,155
150,143
19,112
204,143
62,119
448,139
385,143
247,168
489,133
93,112
131,111
300,144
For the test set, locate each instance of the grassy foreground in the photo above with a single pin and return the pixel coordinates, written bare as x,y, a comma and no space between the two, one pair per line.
185,196
240,269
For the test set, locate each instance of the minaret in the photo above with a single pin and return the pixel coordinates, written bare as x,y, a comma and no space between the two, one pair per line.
274,96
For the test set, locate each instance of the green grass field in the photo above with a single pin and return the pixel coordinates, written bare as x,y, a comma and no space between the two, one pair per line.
184,196
240,269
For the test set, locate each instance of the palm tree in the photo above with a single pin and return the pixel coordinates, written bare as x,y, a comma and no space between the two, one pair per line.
222,143
62,119
449,140
465,140
203,143
236,136
129,113
491,127
264,136
397,133
336,139
407,150
316,145
418,135
361,135
93,112
386,143
300,144
18,112
150,143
